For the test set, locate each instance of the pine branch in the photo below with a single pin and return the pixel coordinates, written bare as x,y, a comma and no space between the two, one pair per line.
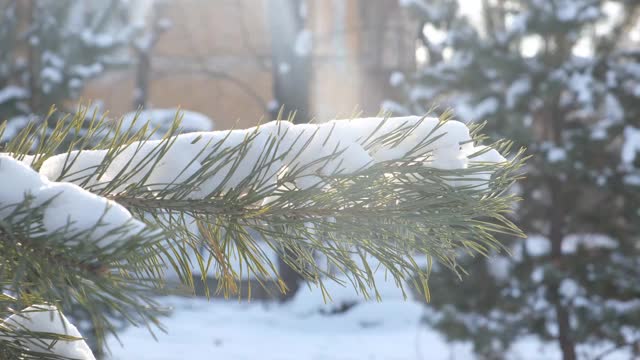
41,332
231,179
63,268
55,250
388,189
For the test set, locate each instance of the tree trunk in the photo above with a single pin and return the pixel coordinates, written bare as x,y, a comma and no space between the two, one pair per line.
143,73
555,122
291,68
564,336
556,236
33,61
291,71
144,52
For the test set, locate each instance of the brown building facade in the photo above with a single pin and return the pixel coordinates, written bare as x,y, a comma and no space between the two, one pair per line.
215,58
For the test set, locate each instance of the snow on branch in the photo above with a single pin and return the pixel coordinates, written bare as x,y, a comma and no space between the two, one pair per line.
338,147
118,206
43,331
391,188
68,206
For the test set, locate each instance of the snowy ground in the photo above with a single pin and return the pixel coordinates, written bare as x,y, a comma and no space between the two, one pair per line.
307,328
231,330
217,329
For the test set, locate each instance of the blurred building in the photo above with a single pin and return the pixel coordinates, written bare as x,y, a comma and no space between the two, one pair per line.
215,58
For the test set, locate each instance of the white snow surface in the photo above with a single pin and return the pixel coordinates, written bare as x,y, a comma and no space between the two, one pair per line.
47,318
537,245
306,328
571,243
631,144
396,79
304,148
556,154
12,92
52,75
70,206
86,71
516,91
304,43
301,329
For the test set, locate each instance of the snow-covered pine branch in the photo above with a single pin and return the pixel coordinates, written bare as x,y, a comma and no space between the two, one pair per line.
62,244
65,206
42,332
388,189
311,151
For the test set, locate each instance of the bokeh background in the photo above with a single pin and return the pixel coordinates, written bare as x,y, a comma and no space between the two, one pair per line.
560,77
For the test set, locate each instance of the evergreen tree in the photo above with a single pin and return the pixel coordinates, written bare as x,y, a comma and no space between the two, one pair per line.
557,77
52,48
99,226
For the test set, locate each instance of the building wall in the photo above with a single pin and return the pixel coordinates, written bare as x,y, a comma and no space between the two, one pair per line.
211,60
215,59
358,45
